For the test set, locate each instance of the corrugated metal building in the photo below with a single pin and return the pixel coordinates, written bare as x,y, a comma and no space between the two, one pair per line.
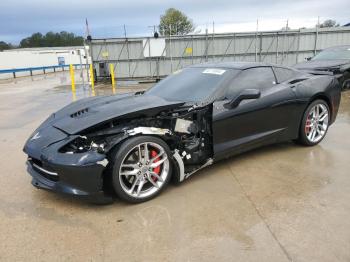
131,60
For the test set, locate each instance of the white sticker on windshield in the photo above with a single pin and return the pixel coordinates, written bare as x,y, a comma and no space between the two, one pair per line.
214,71
178,71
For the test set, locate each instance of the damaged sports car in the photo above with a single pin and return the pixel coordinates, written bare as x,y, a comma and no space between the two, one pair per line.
131,145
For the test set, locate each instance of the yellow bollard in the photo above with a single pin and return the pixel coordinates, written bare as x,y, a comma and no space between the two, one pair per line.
92,80
111,70
71,70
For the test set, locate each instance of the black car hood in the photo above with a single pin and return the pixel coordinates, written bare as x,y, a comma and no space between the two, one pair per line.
90,112
320,64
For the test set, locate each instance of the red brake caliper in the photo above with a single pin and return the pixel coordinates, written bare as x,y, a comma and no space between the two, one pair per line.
307,125
156,169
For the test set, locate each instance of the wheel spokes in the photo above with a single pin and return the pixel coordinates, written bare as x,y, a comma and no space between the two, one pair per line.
323,116
144,169
142,182
134,166
157,156
134,185
317,111
159,162
129,172
146,152
152,182
316,123
313,134
139,152
156,176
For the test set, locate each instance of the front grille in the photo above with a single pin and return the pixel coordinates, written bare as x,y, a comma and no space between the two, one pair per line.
43,170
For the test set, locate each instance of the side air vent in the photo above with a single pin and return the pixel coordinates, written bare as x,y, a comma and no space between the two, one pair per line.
297,80
79,113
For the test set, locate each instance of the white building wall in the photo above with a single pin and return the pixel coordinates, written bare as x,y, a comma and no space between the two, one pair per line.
16,59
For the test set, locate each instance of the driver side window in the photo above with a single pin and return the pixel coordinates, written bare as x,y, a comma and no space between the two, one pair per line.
259,78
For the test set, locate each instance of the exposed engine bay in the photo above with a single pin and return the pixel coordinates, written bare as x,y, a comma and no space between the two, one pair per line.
186,130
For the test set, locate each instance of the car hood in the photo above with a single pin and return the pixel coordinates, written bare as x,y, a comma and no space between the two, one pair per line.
90,112
320,64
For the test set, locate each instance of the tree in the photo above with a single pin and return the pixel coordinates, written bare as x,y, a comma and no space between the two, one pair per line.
329,23
52,39
36,40
174,22
285,28
5,46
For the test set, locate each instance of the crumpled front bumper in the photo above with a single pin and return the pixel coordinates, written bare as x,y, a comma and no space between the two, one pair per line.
79,174
83,182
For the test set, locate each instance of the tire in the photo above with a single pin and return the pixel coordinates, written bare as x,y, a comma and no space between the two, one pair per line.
130,169
314,126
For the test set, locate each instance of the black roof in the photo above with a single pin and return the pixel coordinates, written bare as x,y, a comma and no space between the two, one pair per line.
234,65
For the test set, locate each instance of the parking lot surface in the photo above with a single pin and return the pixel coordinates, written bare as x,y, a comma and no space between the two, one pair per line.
278,203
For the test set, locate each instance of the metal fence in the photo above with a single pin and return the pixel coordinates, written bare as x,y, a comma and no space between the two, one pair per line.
280,47
42,70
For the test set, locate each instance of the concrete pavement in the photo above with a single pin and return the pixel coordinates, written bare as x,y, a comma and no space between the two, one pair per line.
278,203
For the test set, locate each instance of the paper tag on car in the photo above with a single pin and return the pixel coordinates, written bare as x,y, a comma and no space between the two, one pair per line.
214,71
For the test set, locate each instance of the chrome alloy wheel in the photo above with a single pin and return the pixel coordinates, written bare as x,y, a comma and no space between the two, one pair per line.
143,170
316,123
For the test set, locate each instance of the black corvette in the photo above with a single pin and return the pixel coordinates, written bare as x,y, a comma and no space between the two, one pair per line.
333,60
132,144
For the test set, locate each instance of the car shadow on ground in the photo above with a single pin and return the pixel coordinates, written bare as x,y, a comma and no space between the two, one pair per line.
248,158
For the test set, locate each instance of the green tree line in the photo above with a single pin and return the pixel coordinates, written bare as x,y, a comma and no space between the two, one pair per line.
49,39
52,39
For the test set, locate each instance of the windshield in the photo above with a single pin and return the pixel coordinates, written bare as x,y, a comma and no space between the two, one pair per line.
333,54
190,84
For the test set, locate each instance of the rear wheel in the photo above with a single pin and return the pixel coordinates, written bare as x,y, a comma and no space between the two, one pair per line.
141,168
314,124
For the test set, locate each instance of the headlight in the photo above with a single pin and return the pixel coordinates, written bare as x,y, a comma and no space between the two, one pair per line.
82,144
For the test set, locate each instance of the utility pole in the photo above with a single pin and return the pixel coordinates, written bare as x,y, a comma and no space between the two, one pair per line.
213,47
256,39
87,47
316,35
206,45
81,68
127,49
284,41
171,56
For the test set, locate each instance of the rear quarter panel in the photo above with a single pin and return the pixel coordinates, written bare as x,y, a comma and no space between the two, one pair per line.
319,86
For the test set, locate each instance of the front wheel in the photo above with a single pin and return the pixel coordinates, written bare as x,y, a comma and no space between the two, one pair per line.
141,168
314,124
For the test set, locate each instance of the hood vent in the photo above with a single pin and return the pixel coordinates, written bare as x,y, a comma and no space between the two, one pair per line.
79,113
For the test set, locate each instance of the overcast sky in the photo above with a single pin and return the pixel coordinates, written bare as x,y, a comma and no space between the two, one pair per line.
21,18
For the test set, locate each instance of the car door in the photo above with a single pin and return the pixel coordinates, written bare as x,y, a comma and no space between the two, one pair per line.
254,122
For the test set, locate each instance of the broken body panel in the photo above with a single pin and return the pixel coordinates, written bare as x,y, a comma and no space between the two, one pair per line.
80,154
69,152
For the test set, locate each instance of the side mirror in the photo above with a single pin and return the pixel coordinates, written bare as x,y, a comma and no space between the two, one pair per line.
308,58
245,94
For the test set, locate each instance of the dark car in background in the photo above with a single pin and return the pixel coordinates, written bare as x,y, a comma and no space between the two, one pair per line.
333,60
132,144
